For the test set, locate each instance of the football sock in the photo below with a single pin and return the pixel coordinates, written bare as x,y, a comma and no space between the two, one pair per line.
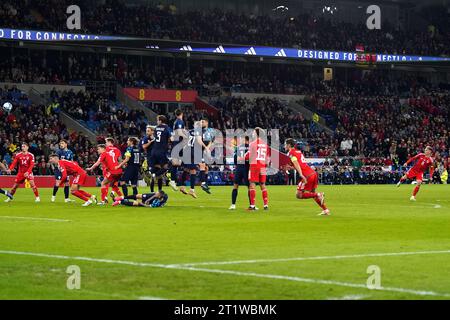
135,190
104,193
116,189
152,186
160,184
323,206
125,190
13,190
416,189
66,192
192,180
183,178
265,197
309,195
86,194
79,195
252,193
133,197
234,195
55,190
202,176
127,202
173,173
2,191
36,191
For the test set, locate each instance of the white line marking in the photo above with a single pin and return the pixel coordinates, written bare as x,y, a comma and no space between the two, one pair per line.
36,219
229,272
351,297
151,298
212,263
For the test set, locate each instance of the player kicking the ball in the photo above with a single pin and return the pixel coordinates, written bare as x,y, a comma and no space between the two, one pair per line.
25,161
423,162
71,168
306,189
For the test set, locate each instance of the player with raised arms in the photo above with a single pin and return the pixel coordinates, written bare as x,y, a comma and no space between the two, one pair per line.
258,156
306,188
423,161
146,145
71,168
24,160
64,153
179,135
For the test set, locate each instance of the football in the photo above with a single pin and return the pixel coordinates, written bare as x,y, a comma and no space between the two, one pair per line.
7,106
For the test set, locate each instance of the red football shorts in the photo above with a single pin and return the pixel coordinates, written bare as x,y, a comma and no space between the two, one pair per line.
312,181
20,178
413,174
257,174
79,179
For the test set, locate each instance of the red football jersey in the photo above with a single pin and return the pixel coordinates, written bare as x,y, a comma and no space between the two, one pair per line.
258,154
70,168
297,155
422,162
110,159
25,161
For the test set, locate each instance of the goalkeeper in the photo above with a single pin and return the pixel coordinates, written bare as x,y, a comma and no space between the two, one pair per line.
148,200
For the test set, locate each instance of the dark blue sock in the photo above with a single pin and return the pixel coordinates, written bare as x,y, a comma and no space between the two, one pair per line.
135,191
66,192
234,195
173,173
125,190
55,190
192,178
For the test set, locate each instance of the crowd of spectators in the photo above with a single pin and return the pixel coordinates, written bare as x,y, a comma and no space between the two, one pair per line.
306,30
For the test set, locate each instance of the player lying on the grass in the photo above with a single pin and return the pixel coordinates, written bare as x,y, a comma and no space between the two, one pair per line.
25,162
132,162
241,171
5,192
71,168
258,156
149,200
64,154
423,161
306,188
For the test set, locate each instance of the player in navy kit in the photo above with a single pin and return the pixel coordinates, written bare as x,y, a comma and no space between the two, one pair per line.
241,171
64,153
178,136
192,156
207,141
148,200
5,192
146,146
158,156
131,158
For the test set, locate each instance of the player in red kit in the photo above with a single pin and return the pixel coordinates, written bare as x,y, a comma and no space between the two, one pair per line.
306,189
71,168
25,162
109,159
423,161
258,156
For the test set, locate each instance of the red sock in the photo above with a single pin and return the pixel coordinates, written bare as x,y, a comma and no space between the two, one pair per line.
13,191
265,197
84,193
309,195
116,189
36,192
416,189
323,206
104,191
80,195
252,193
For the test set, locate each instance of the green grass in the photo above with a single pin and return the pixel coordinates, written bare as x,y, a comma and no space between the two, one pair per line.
365,219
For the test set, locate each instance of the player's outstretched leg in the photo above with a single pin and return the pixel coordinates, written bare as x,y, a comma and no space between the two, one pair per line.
193,177
401,180
6,193
415,191
12,192
35,191
173,177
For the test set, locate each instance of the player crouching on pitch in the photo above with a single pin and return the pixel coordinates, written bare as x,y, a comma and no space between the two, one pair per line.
148,200
309,180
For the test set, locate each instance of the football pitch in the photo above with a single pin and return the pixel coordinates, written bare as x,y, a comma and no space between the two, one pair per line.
198,249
